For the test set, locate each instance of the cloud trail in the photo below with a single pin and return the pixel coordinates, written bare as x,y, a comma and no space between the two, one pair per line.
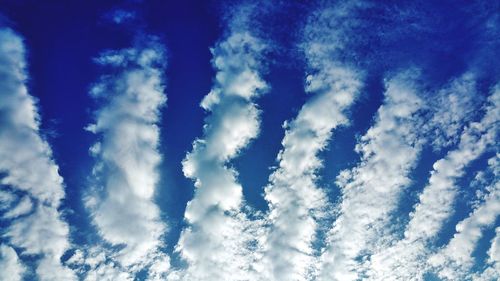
492,271
216,243
122,201
452,107
406,259
35,227
370,191
296,203
455,261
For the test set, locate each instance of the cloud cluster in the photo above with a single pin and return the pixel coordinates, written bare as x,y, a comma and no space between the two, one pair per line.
370,191
217,241
455,260
125,175
407,257
34,225
303,236
295,200
452,107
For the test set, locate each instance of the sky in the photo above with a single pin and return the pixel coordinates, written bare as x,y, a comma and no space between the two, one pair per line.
249,140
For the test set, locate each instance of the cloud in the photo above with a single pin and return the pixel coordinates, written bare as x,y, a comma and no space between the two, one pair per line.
333,32
492,271
20,125
121,202
27,168
24,206
462,103
224,239
216,244
370,191
120,16
43,232
94,264
407,257
455,261
6,200
12,268
296,203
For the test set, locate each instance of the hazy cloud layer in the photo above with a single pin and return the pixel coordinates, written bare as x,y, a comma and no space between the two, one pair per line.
455,260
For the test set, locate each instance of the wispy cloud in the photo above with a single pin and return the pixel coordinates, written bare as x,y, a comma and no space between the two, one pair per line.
455,260
120,16
451,109
407,258
365,235
35,226
296,203
370,191
492,270
121,202
216,243
20,125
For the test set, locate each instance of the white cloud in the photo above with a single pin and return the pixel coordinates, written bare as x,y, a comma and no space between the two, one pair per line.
492,271
406,259
370,191
224,239
122,201
33,169
217,242
95,265
160,268
7,199
461,102
22,208
295,201
27,165
455,261
41,232
11,267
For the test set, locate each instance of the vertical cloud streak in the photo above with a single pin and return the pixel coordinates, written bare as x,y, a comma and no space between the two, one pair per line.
35,226
216,244
122,201
407,258
455,261
370,191
492,270
389,220
296,203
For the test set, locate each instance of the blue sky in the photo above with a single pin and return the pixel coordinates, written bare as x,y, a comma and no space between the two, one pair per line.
249,140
